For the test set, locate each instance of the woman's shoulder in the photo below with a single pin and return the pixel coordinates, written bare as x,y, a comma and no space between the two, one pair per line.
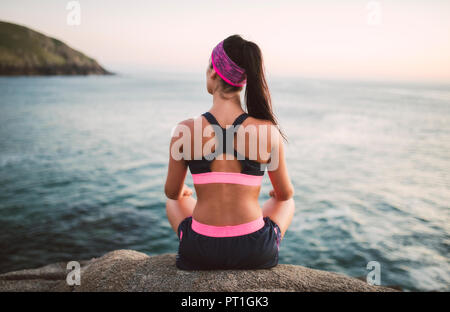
258,122
262,125
184,127
266,131
189,123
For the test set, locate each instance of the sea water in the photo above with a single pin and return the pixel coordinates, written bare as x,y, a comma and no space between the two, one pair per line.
83,163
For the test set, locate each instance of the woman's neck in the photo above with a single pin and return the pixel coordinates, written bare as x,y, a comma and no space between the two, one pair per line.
226,108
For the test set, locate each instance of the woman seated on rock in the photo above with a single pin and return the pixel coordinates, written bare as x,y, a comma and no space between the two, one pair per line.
228,151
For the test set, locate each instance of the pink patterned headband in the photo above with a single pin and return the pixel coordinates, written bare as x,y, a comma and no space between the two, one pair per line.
226,68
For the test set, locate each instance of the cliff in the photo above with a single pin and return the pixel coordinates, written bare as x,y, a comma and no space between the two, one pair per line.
26,52
128,270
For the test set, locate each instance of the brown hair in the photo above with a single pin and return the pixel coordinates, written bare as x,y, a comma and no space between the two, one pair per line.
248,55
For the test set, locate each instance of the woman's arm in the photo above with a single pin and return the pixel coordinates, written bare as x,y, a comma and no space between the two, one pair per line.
175,187
282,186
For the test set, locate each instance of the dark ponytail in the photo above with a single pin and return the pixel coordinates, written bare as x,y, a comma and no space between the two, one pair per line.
257,96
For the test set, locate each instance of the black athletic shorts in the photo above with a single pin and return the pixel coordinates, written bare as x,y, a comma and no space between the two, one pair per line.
256,250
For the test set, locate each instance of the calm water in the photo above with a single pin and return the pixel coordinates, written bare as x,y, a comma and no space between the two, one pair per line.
83,162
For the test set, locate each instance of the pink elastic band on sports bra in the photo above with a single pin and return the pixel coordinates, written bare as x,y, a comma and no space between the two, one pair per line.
228,230
226,177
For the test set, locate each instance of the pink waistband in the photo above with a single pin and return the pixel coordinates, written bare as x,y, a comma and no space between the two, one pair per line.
228,230
226,177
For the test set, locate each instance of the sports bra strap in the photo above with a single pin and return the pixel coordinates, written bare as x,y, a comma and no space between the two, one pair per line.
240,119
213,121
237,122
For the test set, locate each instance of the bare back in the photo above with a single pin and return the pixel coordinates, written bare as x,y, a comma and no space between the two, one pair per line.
226,203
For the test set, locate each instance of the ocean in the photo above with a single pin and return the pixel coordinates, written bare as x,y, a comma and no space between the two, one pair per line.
83,163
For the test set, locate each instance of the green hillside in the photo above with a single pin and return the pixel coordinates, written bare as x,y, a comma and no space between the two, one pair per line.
26,52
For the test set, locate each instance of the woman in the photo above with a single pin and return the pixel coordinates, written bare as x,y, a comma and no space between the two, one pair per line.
225,228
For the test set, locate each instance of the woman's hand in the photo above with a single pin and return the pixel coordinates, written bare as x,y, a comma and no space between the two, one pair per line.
272,193
186,191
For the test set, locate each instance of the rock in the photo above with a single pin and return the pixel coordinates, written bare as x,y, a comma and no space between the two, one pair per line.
128,270
55,271
24,51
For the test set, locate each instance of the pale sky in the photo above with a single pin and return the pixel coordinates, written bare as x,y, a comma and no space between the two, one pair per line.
316,38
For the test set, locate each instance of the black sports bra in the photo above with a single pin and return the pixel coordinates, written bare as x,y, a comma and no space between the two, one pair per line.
199,167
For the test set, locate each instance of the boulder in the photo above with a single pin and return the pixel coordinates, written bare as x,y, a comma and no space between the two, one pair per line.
128,270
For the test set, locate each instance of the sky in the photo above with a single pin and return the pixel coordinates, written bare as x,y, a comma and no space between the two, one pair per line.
349,39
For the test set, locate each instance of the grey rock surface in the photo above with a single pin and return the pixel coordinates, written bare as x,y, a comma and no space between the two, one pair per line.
128,270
